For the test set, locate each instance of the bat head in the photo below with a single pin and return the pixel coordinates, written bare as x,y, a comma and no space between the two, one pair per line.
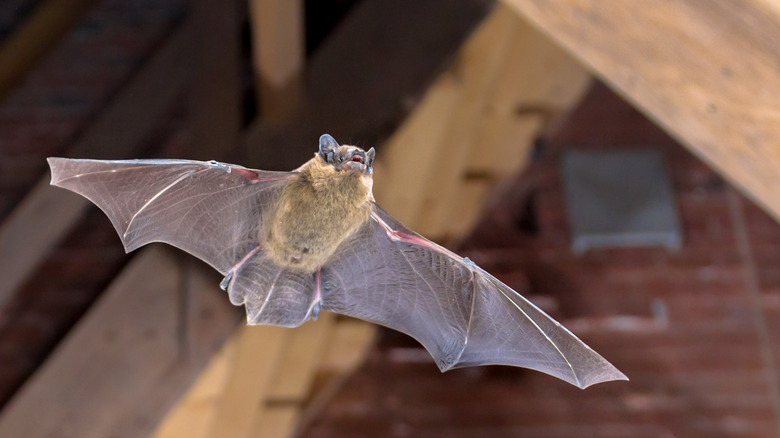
345,157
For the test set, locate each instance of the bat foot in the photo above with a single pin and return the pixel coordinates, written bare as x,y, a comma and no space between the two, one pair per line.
315,311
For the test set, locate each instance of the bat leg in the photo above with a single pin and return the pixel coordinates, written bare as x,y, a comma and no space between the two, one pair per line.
315,311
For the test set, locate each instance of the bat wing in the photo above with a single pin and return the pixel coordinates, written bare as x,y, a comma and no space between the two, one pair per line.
211,210
463,316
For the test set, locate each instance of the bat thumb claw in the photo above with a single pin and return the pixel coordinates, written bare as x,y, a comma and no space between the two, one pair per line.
226,281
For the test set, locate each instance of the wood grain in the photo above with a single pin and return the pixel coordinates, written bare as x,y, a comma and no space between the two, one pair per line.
476,125
131,332
278,55
706,72
256,359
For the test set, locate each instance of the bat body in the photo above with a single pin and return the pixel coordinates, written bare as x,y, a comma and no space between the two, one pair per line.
293,243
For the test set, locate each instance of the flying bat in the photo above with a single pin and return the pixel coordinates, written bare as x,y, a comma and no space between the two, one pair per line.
291,244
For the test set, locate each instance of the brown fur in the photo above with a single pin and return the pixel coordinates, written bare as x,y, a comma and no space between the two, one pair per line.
319,209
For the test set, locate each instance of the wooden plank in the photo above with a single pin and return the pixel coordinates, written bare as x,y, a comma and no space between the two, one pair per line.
476,125
347,347
119,368
276,422
300,359
46,214
278,54
46,25
192,416
398,173
514,80
538,83
477,66
325,345
257,354
706,72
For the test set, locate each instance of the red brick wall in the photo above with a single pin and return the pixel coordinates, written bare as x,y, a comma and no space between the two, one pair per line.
681,325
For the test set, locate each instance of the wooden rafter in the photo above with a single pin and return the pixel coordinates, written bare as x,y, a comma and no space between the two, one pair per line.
477,123
124,363
278,52
707,72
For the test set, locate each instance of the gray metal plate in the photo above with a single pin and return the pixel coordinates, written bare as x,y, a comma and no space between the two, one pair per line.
619,198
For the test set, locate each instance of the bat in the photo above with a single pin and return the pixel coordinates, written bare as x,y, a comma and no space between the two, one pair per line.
291,244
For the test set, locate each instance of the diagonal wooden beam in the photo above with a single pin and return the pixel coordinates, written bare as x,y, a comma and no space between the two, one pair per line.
476,125
706,72
46,215
37,34
123,355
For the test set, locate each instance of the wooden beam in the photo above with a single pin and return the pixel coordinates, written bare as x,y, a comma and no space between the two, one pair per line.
269,397
194,413
257,354
37,34
47,214
706,72
478,123
278,54
121,366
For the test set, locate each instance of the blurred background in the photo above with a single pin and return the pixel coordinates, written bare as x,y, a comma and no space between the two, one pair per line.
615,162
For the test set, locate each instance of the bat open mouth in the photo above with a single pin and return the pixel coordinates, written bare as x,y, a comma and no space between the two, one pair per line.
356,162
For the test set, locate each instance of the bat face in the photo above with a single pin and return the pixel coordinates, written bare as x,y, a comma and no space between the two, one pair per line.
346,158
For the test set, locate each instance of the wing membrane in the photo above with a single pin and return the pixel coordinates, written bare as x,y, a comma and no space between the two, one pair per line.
390,275
212,210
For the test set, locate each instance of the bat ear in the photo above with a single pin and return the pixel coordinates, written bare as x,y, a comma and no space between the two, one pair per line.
328,146
370,156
